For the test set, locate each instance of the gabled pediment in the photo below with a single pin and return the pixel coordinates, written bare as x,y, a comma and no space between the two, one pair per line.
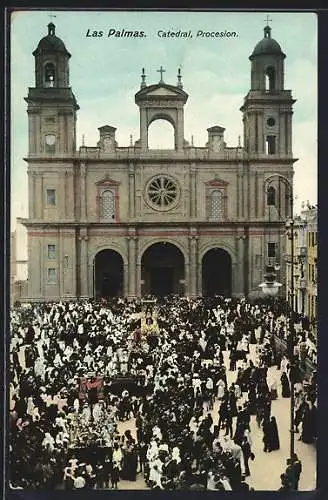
161,91
216,182
107,182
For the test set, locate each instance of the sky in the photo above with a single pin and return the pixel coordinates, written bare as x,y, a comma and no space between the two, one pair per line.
105,74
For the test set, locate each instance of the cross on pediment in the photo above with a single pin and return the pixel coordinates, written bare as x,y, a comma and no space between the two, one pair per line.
268,20
161,71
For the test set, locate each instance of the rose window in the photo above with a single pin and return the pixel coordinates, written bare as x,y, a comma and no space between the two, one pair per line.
162,192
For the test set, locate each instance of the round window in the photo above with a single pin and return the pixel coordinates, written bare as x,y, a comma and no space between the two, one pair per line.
162,192
271,122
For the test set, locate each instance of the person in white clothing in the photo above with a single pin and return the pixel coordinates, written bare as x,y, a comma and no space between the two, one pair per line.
238,455
220,389
40,369
30,406
86,413
48,442
155,473
176,454
157,433
211,481
196,382
284,364
238,392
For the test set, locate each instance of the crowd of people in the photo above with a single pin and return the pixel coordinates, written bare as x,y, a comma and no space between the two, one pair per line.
78,369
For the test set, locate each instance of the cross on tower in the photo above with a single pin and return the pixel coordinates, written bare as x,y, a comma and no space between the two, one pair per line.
267,20
161,71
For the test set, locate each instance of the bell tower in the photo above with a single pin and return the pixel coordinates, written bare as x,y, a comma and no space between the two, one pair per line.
161,101
51,104
267,109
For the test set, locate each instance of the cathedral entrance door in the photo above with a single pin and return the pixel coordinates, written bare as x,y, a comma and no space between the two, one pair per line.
109,274
216,273
162,281
162,270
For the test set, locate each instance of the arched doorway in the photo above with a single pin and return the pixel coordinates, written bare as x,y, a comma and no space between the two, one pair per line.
216,273
162,270
108,274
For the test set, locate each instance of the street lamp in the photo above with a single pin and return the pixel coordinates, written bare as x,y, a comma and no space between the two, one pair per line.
270,285
291,337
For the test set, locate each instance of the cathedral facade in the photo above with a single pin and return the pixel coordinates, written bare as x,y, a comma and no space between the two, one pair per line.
106,220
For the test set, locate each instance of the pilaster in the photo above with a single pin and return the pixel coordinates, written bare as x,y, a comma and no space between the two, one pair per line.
84,275
132,268
193,252
83,208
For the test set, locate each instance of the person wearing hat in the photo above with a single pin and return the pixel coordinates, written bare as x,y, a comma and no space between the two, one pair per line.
117,462
291,474
285,484
297,466
68,479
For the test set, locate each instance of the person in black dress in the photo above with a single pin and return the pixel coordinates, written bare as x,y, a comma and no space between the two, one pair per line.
274,443
129,471
285,386
308,425
266,435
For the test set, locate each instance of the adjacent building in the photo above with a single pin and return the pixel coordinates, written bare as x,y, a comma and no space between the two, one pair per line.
305,263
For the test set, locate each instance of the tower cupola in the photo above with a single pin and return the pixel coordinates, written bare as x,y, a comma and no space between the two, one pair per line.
267,64
51,61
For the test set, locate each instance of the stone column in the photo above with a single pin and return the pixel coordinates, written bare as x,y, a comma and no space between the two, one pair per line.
256,192
143,129
199,282
242,194
289,133
60,261
125,279
132,267
260,135
193,191
62,196
193,250
235,280
282,134
131,191
83,208
240,285
31,194
179,130
43,271
39,197
38,139
138,279
238,208
84,275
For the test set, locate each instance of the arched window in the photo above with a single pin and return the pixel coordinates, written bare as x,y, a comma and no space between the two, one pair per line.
270,78
270,145
49,75
271,196
216,208
107,205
